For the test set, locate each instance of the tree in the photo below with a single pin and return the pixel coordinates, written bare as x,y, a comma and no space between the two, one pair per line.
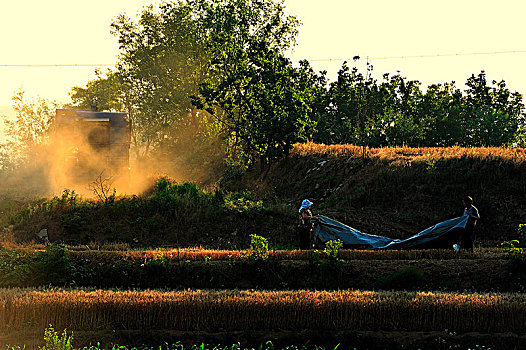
106,92
317,98
253,90
492,115
261,103
440,111
161,64
25,157
33,119
355,104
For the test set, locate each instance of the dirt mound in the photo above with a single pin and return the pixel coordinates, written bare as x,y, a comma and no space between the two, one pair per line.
394,192
397,192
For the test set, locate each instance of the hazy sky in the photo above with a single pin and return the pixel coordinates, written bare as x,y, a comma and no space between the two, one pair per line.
75,32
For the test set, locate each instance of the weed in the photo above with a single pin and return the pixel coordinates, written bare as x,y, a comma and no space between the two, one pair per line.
431,165
72,223
54,341
14,269
258,247
516,246
243,202
331,249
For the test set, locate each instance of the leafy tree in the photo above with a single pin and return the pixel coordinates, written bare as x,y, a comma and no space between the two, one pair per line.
263,105
492,115
33,119
106,92
23,157
161,63
343,107
440,110
402,124
355,104
400,114
318,100
253,90
192,69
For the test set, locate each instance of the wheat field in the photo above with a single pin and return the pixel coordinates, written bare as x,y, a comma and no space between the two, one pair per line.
249,310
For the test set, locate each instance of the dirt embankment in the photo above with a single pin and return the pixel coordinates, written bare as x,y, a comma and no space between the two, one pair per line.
397,192
394,192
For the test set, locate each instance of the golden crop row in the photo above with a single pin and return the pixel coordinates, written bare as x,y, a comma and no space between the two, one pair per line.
197,254
516,155
185,254
248,310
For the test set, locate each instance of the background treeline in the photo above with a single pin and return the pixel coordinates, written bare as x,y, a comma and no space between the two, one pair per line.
200,69
202,76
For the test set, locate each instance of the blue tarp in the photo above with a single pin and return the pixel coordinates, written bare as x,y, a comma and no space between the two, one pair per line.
441,235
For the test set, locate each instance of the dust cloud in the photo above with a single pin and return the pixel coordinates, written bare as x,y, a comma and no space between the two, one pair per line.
93,158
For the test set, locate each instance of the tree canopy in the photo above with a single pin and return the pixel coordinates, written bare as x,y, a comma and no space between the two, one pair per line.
220,68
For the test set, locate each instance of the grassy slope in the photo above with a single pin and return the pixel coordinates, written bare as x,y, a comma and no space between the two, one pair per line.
396,193
400,191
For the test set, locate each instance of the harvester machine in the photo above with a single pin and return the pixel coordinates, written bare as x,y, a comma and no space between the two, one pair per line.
94,147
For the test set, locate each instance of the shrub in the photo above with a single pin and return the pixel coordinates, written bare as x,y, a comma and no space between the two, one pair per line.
56,342
243,202
53,266
258,247
14,269
331,249
516,246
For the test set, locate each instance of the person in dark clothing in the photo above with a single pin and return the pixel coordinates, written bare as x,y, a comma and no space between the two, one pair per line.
305,227
466,242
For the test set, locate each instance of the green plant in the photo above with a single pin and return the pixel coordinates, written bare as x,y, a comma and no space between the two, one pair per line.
72,222
14,269
258,247
331,249
431,165
69,197
54,341
516,246
53,266
243,202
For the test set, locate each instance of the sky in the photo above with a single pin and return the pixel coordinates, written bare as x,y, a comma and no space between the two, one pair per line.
77,32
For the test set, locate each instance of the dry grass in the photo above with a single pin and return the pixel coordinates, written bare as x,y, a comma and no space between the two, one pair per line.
249,310
516,155
198,254
206,254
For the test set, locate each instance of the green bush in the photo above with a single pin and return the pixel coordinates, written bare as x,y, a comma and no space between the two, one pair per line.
243,202
54,341
516,246
331,249
258,247
53,266
72,222
15,269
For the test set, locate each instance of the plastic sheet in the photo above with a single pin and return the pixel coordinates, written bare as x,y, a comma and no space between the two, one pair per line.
440,236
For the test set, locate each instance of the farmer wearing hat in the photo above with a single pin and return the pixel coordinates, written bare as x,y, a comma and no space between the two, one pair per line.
306,225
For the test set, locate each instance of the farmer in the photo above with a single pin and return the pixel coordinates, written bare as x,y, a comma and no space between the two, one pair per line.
306,225
466,242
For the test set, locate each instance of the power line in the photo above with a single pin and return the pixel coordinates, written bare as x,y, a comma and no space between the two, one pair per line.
425,56
58,65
